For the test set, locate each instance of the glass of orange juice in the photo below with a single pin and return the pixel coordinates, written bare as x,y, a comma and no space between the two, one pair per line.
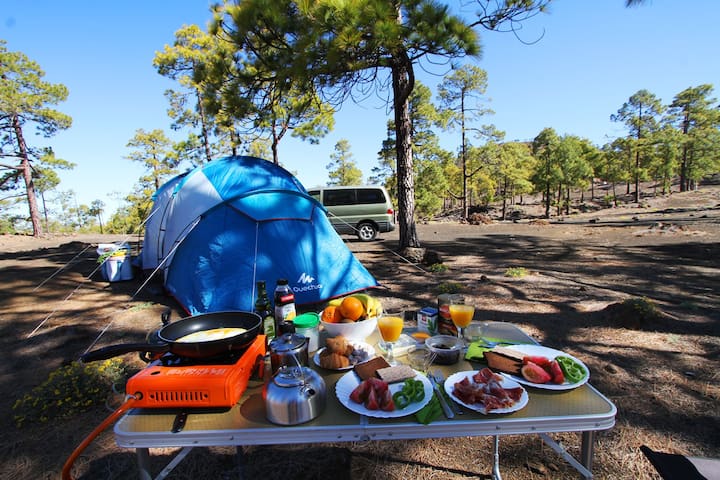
461,316
390,325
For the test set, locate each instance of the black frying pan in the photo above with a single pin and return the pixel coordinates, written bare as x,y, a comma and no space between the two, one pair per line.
171,332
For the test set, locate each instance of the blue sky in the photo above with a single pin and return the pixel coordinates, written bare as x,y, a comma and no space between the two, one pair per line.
578,64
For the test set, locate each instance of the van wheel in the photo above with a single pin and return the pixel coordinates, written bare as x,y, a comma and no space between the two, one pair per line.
366,232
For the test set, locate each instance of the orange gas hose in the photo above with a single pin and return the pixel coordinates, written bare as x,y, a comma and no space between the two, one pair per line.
127,405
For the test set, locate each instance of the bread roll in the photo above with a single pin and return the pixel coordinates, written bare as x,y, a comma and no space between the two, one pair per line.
338,344
333,360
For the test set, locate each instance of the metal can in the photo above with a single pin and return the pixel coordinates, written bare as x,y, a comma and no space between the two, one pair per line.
445,325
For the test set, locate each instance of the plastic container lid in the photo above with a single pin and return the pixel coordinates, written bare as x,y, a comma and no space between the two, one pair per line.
429,311
307,320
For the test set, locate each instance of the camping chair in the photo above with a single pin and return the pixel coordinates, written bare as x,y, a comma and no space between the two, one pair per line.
679,467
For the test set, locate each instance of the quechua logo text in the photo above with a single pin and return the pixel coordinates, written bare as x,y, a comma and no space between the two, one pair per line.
306,283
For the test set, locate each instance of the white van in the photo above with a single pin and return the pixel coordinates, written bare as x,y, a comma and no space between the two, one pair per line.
363,210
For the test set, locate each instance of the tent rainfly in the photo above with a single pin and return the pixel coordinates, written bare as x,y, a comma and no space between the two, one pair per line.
219,228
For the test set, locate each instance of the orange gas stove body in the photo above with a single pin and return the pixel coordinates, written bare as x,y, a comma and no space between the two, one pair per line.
199,386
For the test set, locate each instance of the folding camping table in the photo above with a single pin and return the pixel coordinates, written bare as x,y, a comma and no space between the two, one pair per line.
583,410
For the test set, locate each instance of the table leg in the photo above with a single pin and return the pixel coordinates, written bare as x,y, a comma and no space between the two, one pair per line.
583,467
587,449
240,461
496,458
143,460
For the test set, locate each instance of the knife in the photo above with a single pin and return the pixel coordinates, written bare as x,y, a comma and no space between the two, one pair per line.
440,379
443,403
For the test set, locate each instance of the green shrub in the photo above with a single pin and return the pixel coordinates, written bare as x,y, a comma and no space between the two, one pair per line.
450,287
69,390
438,268
643,309
516,272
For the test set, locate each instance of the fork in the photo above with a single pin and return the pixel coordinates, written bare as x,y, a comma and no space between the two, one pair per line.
440,379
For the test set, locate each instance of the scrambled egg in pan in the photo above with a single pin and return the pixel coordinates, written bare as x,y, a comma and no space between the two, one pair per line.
210,335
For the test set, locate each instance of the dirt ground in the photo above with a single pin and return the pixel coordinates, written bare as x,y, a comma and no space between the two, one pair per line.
660,371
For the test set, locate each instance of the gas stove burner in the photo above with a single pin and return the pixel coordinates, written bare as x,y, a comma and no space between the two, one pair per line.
172,381
172,360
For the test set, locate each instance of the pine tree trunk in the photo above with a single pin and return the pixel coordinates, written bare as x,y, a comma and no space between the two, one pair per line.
637,177
27,176
547,200
403,81
203,127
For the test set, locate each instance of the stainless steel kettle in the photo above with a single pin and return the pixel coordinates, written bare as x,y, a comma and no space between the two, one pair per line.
294,395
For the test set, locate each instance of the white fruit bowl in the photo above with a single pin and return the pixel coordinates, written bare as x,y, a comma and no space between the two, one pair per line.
359,330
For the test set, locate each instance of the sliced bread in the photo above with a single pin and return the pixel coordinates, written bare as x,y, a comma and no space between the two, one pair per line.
367,369
398,373
504,359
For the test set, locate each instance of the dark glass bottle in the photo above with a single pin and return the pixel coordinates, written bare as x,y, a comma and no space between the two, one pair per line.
284,304
264,309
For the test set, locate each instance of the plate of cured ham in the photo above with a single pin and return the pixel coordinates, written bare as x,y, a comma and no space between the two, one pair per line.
486,391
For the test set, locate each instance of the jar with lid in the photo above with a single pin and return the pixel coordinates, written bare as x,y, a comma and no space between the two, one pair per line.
445,325
308,325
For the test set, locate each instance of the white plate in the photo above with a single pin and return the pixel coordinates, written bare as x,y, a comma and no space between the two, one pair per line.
550,353
365,347
505,383
347,383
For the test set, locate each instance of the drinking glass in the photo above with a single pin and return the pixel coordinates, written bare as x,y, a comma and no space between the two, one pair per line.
461,316
390,325
420,359
475,332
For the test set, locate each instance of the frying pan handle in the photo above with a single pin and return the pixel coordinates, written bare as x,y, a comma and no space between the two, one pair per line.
165,316
114,350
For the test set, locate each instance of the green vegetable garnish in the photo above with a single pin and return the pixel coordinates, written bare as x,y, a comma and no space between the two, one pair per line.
573,371
401,400
429,412
412,391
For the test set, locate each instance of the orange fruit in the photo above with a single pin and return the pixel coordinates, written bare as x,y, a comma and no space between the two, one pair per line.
352,308
331,314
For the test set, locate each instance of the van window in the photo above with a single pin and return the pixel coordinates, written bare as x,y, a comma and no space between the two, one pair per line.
370,195
339,197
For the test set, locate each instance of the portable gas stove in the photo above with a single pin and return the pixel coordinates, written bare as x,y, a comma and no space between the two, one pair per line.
172,381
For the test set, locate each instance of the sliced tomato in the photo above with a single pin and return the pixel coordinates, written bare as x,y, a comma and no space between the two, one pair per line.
556,372
371,403
359,394
386,401
544,362
376,384
533,372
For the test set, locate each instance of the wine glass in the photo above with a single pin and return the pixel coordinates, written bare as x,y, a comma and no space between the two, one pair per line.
461,316
390,325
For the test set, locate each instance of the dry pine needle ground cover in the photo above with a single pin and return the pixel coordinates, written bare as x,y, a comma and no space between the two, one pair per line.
659,366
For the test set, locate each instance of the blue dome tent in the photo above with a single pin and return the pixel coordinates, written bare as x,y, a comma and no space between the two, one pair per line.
221,227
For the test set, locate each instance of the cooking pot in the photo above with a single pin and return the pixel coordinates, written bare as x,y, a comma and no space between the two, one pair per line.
167,336
294,395
289,349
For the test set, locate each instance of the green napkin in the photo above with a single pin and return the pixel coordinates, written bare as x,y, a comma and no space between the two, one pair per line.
476,350
429,412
